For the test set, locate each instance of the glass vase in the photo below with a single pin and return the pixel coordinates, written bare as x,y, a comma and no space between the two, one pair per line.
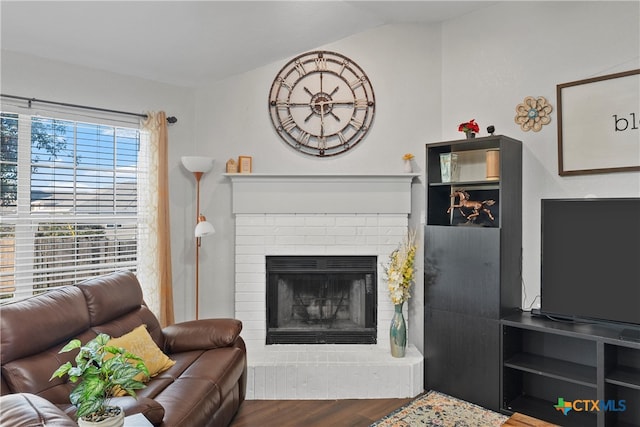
398,333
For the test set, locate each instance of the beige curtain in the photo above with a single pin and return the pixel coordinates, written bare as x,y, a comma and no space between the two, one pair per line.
154,263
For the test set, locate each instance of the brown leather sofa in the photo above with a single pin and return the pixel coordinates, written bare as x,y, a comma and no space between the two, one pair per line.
205,387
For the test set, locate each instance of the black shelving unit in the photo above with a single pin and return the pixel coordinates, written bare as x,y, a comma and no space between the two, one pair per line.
544,360
472,269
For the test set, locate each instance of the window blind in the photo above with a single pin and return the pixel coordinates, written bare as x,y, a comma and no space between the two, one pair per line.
69,206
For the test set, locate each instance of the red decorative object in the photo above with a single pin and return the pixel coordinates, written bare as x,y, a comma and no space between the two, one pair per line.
470,126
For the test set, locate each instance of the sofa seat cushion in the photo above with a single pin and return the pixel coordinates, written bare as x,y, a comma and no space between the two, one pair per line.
221,366
189,402
164,379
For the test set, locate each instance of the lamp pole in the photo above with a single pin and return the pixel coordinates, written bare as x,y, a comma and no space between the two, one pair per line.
199,165
198,176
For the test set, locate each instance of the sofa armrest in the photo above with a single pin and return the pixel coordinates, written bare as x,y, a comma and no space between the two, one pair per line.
202,334
28,410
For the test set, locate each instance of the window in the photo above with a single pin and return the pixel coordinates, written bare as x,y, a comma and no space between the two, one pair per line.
69,202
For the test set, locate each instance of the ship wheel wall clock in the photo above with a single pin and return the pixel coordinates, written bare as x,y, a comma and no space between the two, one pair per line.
321,103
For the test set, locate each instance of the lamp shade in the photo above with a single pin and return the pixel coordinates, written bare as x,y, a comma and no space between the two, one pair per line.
204,227
197,163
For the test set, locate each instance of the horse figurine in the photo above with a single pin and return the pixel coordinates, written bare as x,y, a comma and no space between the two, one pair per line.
464,202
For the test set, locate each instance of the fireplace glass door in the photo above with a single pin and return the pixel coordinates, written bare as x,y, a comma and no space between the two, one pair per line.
321,300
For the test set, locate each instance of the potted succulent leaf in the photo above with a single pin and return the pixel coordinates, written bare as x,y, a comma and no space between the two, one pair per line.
102,372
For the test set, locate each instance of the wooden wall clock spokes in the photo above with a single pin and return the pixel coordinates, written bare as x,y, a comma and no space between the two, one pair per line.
321,103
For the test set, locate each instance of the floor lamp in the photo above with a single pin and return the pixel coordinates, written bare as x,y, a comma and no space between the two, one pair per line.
199,166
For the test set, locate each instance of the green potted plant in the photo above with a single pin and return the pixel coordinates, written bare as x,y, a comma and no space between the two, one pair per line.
102,372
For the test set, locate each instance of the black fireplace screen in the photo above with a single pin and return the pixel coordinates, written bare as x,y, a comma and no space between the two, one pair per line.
321,300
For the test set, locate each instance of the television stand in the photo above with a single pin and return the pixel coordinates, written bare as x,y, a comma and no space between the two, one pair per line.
630,335
543,360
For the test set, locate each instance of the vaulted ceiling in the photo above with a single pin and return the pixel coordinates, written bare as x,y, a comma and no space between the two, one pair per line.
187,43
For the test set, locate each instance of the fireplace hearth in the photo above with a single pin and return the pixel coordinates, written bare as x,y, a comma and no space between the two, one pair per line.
321,299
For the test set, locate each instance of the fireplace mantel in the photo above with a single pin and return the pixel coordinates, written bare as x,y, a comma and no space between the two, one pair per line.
322,193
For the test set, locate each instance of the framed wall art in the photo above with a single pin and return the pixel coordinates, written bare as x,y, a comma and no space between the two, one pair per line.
245,164
599,124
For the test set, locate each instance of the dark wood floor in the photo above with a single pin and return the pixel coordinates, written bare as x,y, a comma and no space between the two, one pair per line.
314,413
332,413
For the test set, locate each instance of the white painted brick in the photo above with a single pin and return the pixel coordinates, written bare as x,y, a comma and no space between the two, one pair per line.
343,231
250,391
311,250
250,325
319,240
371,221
249,297
281,231
291,381
351,240
368,231
247,220
353,221
251,310
249,277
281,382
250,268
388,230
281,249
259,382
320,220
347,250
393,220
310,231
249,249
290,240
249,240
249,259
289,220
372,240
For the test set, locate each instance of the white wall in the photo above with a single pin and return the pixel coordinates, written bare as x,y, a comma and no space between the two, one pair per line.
427,79
496,57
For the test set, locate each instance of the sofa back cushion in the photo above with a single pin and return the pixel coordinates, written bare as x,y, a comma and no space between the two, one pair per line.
32,332
116,306
111,296
33,325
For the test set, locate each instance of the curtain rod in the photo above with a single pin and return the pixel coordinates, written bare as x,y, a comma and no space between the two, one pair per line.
170,119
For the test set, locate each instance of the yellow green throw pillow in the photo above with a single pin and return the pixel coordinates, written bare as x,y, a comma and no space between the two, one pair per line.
140,343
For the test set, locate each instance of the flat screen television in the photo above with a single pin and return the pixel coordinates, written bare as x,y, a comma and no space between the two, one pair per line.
590,256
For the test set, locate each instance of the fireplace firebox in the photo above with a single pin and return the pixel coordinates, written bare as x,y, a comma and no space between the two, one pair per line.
321,299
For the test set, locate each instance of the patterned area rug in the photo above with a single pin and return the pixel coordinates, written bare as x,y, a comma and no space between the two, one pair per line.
438,409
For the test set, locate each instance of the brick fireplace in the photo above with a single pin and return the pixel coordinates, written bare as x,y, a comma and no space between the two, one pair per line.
320,215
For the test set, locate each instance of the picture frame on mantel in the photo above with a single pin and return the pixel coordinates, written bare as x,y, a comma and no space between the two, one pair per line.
245,164
599,124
